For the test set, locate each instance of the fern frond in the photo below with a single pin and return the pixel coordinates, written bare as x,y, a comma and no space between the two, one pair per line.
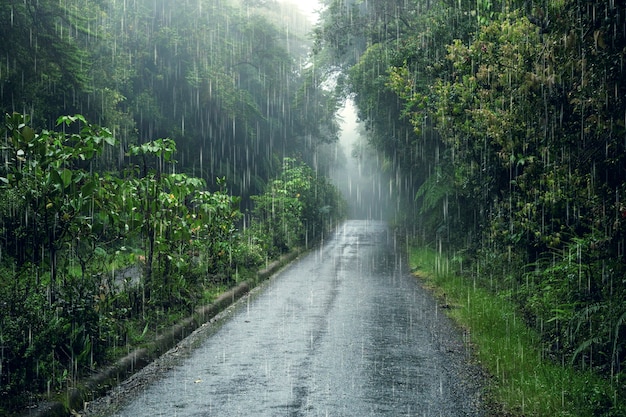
584,346
434,190
620,321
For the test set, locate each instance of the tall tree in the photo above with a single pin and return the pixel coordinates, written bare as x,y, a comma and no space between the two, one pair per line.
44,64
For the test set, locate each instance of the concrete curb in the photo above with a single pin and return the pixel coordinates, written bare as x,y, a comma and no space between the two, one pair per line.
106,378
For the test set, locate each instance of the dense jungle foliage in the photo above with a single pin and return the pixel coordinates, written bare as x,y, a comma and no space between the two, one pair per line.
194,154
504,127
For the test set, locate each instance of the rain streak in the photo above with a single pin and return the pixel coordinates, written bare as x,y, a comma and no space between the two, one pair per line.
286,207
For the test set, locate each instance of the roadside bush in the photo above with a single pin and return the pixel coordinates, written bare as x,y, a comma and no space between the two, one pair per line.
71,235
45,345
297,208
249,254
21,329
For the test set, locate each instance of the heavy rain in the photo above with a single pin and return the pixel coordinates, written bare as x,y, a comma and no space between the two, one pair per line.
342,207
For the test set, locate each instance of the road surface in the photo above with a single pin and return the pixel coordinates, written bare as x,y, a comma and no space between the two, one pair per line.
343,331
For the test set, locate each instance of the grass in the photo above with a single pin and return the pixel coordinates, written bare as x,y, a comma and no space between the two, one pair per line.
524,382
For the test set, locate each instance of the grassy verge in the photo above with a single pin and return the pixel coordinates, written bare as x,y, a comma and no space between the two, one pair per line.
524,382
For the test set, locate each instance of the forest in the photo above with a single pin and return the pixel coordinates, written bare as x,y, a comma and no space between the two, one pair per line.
503,127
155,153
158,152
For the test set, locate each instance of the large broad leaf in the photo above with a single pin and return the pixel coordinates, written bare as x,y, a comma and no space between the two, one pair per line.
109,139
88,189
61,178
55,178
66,177
68,120
99,251
28,133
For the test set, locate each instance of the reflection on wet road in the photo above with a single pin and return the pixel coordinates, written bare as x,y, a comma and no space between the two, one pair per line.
343,331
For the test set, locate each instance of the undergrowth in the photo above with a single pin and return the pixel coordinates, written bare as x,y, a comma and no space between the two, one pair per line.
524,381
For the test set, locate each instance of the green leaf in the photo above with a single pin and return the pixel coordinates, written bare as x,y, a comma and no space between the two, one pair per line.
66,177
99,251
56,178
28,133
67,120
88,188
108,139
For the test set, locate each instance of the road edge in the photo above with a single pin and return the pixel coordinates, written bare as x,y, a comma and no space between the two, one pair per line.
108,377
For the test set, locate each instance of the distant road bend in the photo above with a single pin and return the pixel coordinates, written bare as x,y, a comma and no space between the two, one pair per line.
342,331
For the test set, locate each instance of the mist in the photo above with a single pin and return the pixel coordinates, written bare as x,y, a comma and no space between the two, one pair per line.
358,173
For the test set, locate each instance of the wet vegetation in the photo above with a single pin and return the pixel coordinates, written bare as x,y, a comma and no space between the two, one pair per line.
189,161
503,126
197,147
524,380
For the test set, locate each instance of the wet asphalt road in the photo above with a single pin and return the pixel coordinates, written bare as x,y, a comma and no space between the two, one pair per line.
343,331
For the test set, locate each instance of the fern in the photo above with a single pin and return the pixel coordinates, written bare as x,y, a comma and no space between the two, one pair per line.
434,190
584,346
614,354
583,315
